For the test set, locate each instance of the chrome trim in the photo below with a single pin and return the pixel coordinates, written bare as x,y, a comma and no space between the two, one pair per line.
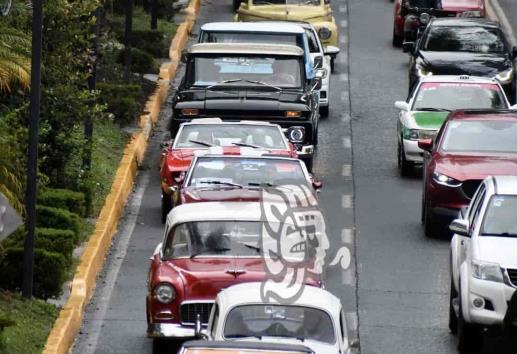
169,330
193,302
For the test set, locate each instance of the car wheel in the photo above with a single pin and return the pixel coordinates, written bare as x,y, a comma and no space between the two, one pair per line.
160,346
453,319
324,111
332,60
470,337
405,166
396,40
236,4
166,206
308,162
430,228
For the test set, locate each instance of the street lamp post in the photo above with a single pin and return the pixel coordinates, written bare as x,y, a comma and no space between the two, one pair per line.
32,154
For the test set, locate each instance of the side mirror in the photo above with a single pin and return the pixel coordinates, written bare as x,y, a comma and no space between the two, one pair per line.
316,84
402,105
318,62
331,50
179,179
425,144
460,227
514,52
317,185
408,47
166,144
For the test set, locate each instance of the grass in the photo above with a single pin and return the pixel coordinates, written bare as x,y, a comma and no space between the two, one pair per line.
33,321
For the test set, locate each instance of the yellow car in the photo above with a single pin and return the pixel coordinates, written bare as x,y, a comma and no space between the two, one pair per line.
317,12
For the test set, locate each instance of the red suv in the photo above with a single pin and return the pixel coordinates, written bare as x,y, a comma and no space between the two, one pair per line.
471,145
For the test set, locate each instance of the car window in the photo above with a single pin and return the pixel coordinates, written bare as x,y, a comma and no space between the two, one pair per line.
215,319
475,39
313,41
500,217
286,2
475,200
247,37
476,211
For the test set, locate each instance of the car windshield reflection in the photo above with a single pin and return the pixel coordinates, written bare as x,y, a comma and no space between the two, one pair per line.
501,217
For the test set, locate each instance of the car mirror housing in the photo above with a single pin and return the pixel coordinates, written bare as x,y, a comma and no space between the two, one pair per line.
331,50
318,62
316,83
425,144
317,184
460,227
408,47
403,106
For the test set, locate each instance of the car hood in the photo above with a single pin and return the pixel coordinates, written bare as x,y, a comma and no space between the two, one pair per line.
458,63
461,5
289,12
497,250
317,347
428,120
179,159
463,167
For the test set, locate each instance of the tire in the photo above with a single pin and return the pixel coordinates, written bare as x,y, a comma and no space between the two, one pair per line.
453,319
406,168
175,125
166,206
430,229
236,4
470,337
396,40
332,65
160,346
309,162
324,111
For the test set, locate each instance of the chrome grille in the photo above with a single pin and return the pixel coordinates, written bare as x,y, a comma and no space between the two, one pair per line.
189,312
469,187
512,274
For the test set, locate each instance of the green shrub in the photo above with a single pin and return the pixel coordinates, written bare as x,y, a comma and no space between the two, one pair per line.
64,199
152,42
122,101
50,271
56,218
4,322
141,62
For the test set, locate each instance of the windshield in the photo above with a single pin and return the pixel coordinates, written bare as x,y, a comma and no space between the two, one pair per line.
465,39
451,96
481,136
279,72
501,217
237,171
279,321
199,136
253,37
287,2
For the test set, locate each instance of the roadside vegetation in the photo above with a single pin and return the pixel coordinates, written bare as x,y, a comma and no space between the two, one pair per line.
71,193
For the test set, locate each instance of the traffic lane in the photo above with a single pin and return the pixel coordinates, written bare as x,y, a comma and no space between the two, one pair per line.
402,285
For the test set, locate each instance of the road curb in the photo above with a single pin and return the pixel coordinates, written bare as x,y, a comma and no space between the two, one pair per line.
83,284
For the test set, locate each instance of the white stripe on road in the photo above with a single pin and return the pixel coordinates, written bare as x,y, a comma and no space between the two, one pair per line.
344,24
342,39
343,77
346,201
347,236
347,142
351,320
118,254
347,171
348,276
342,8
345,117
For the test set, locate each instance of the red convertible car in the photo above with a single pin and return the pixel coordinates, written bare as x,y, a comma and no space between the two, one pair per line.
451,8
208,132
471,145
208,247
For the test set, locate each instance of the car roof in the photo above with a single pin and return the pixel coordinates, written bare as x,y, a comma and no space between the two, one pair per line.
459,79
258,345
463,22
483,114
250,293
303,24
265,27
506,185
219,121
244,152
246,48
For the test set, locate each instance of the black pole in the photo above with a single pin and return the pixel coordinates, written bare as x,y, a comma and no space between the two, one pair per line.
32,155
127,35
154,14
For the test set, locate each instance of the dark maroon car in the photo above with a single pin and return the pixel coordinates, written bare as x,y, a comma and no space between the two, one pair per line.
471,145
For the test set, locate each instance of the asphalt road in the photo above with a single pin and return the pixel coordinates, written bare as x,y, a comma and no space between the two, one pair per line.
395,292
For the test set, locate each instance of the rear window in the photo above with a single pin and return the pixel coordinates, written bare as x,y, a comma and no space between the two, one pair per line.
474,39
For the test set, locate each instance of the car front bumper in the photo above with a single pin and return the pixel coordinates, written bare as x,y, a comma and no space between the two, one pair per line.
304,150
169,330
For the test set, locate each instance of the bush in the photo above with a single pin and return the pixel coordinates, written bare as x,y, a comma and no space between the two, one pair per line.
50,271
56,218
152,42
64,199
122,101
141,62
4,322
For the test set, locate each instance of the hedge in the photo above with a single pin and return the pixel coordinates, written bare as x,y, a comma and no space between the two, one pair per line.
64,199
55,218
122,100
152,42
141,61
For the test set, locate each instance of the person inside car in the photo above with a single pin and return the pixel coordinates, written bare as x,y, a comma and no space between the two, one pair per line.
409,11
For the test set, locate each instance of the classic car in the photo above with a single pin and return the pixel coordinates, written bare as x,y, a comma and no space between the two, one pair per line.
463,46
240,176
451,8
241,313
227,347
471,145
264,82
317,12
429,104
208,247
208,132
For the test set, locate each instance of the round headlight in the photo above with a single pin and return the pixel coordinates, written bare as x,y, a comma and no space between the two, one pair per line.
296,134
164,293
324,33
425,18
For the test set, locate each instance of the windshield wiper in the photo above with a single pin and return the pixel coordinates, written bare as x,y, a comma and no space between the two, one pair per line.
204,143
222,83
252,246
430,109
248,145
263,84
223,249
222,183
262,184
500,234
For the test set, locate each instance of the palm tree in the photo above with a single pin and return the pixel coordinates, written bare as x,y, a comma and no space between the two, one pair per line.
10,185
15,60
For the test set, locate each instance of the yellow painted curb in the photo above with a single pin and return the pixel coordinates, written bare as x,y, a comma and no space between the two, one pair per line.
70,317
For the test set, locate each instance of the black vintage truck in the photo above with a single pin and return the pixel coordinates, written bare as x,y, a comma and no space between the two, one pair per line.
266,82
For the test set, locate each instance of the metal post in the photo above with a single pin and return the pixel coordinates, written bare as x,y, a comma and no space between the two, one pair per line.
127,35
32,155
154,14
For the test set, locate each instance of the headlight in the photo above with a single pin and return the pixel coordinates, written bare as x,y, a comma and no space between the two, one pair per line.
417,134
296,134
505,77
487,271
164,293
445,180
423,72
324,33
471,14
425,18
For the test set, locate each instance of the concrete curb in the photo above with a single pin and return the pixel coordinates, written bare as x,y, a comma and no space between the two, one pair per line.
70,318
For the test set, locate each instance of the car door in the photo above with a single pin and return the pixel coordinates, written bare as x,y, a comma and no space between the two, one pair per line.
473,215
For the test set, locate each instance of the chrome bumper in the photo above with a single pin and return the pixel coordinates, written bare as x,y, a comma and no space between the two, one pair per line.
169,330
305,150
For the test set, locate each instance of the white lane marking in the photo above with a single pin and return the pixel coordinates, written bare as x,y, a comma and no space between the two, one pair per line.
342,8
346,201
345,96
351,320
347,142
344,24
343,77
347,171
348,276
496,12
347,236
342,39
118,256
342,59
345,117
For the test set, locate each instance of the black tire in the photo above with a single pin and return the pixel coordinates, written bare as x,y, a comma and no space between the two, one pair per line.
406,168
332,64
430,228
236,4
160,346
396,41
453,319
470,337
324,111
166,206
309,162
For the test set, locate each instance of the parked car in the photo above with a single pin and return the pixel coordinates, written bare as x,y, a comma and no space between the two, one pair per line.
227,347
463,46
317,12
240,176
471,145
433,98
450,8
263,82
241,314
207,247
201,134
484,263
